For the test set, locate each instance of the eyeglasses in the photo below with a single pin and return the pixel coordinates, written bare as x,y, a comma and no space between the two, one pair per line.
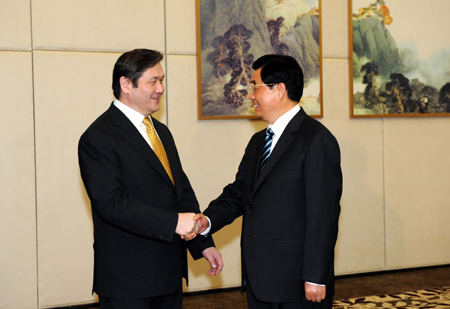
251,87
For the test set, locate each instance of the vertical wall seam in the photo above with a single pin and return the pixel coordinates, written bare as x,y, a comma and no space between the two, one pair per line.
165,69
35,160
384,191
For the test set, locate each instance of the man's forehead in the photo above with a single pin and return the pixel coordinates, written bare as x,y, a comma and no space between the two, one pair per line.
155,72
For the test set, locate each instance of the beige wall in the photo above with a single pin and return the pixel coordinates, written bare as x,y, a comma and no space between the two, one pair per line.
56,58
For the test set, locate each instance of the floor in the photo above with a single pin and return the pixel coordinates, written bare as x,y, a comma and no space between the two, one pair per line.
346,287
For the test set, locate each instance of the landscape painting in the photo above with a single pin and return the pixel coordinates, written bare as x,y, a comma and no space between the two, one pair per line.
399,58
232,34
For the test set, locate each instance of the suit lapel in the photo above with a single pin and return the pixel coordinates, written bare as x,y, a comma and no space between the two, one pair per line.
282,145
255,156
131,135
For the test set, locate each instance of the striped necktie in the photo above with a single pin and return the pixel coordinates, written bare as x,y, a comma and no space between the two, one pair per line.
158,147
266,151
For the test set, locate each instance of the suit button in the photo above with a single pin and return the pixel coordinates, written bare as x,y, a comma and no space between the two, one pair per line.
249,206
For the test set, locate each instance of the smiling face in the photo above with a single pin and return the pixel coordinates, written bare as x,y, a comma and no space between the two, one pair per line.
144,98
265,99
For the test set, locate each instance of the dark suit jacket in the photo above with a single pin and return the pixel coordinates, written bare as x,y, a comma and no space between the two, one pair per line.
135,209
290,213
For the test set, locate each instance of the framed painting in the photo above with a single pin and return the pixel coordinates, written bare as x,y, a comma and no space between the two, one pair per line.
399,58
232,34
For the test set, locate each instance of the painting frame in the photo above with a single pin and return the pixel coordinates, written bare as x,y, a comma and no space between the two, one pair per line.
314,102
402,93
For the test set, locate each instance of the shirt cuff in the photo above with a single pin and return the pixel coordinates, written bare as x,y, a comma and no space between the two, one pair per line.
315,283
206,232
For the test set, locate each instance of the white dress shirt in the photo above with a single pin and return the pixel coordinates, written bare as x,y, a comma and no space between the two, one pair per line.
281,123
136,119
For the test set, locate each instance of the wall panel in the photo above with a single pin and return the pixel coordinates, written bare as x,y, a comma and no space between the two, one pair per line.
18,285
181,27
417,200
101,25
15,22
335,29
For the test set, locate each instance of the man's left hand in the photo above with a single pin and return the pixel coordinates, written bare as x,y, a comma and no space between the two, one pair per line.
315,293
213,256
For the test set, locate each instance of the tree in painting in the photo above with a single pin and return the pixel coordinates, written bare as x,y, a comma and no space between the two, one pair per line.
274,27
231,56
402,92
219,57
371,96
444,97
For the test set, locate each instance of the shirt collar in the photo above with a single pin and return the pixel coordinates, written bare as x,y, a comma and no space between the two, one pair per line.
133,115
282,122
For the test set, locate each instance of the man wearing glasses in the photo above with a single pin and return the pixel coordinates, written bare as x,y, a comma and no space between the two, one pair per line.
288,187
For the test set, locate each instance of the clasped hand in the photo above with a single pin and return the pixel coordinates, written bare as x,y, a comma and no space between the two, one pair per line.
191,224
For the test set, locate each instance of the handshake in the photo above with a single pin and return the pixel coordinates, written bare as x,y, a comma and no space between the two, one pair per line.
190,224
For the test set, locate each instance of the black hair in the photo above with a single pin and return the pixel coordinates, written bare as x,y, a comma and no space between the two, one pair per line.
281,69
132,65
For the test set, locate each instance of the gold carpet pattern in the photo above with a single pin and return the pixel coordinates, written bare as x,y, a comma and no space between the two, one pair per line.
437,298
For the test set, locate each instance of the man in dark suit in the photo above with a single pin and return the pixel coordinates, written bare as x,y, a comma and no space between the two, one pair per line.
139,194
288,187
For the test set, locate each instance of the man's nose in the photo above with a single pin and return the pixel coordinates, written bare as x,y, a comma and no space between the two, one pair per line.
160,87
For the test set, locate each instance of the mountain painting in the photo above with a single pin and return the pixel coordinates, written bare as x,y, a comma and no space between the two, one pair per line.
232,34
399,58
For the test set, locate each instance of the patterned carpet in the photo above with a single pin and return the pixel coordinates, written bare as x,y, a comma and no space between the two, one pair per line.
438,298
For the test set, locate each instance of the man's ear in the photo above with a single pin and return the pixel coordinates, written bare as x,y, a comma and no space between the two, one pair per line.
281,88
125,84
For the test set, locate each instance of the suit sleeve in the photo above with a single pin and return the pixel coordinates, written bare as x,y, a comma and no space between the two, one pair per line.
323,189
228,206
104,183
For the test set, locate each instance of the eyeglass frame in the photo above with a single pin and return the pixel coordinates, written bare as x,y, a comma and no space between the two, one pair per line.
251,86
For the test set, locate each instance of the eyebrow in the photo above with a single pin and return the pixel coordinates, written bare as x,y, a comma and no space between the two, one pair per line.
157,77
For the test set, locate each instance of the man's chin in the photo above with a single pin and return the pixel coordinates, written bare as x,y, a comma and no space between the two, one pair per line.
257,111
155,106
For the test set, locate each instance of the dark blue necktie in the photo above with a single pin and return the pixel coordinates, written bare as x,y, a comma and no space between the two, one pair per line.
266,151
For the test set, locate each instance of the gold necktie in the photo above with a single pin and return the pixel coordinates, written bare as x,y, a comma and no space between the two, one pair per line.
158,147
